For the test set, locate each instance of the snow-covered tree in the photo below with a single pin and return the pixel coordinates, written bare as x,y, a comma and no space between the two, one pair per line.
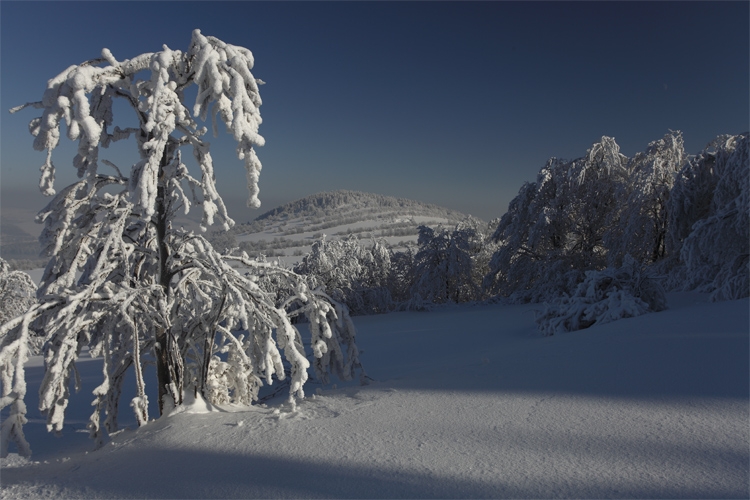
445,264
401,277
554,229
333,264
17,295
351,273
17,292
430,283
710,213
604,296
127,283
640,222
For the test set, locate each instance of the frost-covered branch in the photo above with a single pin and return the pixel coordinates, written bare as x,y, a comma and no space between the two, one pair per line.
127,284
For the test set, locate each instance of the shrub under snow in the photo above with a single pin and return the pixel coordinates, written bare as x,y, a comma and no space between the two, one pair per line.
17,292
604,296
17,295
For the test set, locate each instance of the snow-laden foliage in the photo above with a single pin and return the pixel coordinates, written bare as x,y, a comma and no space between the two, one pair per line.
639,226
17,295
131,287
401,277
17,292
251,353
351,273
447,263
602,297
554,229
82,98
711,219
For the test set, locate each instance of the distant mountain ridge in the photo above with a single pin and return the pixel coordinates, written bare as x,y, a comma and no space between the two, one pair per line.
290,229
324,203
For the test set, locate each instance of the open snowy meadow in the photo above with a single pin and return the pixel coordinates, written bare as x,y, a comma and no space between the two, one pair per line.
467,401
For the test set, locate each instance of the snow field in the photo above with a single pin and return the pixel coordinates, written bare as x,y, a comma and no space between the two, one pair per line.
468,402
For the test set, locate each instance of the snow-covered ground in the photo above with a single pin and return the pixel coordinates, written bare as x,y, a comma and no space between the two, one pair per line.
467,402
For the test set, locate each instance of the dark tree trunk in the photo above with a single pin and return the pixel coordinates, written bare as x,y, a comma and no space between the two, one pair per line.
168,357
208,351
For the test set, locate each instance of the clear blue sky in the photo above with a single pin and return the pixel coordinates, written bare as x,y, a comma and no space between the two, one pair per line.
452,103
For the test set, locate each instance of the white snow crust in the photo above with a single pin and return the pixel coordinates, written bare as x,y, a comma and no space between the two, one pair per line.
467,402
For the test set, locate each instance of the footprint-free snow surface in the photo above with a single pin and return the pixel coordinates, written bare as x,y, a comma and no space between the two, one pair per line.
467,402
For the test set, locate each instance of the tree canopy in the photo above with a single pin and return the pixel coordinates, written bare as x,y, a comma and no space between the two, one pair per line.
130,285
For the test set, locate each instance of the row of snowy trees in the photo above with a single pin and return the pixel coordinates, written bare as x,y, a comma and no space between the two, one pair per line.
583,215
684,216
447,266
351,273
125,283
679,218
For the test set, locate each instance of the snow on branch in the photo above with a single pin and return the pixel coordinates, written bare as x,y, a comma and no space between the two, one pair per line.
128,284
81,97
604,296
712,203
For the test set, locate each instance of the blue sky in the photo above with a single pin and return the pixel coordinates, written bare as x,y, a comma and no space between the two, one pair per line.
452,103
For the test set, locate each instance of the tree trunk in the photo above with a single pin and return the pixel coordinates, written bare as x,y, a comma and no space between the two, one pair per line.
168,357
208,351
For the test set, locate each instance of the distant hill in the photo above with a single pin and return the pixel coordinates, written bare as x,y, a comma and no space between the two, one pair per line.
358,205
17,245
290,229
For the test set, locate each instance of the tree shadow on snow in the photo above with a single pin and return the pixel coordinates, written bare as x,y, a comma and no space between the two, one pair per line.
189,474
685,352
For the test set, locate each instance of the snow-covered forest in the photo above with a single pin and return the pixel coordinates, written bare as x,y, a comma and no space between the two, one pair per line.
668,220
165,326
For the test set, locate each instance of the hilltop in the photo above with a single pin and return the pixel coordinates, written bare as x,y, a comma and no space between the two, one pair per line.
290,230
359,206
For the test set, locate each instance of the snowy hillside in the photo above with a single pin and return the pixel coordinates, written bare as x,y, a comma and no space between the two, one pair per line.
467,402
290,230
